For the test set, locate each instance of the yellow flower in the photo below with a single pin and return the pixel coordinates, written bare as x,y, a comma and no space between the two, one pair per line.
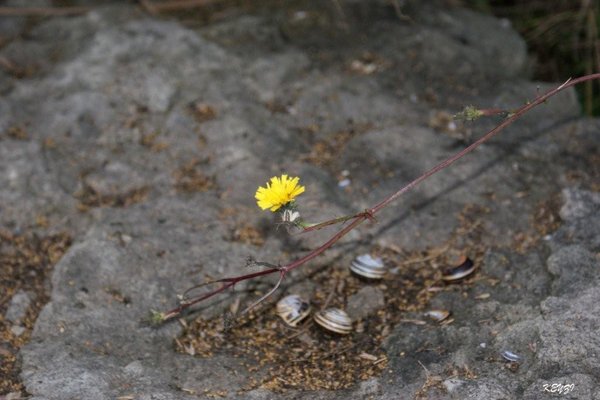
278,193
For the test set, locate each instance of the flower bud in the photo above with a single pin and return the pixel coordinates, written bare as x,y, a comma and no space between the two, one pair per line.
289,215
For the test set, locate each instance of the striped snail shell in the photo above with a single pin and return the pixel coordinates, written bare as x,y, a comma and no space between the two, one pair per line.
368,267
464,269
293,309
334,320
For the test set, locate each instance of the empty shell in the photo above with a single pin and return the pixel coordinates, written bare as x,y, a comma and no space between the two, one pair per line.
293,309
463,270
438,315
368,267
334,320
510,356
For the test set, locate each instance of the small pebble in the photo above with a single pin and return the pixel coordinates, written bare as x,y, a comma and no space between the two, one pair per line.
343,183
18,306
17,330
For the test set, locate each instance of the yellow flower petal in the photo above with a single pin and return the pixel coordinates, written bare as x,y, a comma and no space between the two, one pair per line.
279,192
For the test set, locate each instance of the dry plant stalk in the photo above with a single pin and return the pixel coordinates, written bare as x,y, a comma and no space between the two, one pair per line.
368,214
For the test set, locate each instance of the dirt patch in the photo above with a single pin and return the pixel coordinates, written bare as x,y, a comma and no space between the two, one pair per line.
26,263
189,178
279,357
89,198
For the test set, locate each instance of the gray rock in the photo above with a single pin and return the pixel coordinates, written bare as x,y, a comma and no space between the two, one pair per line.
575,269
114,179
572,387
482,389
579,204
365,302
568,333
370,387
453,384
580,209
18,306
484,45
111,109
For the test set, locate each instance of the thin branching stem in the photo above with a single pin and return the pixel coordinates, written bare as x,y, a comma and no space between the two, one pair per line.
267,295
357,219
329,222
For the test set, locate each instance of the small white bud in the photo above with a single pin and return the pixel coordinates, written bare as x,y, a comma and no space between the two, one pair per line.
290,215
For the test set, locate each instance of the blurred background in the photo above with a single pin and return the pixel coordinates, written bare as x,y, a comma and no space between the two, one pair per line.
562,35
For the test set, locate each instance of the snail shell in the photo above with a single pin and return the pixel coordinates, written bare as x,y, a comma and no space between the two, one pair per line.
438,315
459,272
334,320
293,309
510,356
368,267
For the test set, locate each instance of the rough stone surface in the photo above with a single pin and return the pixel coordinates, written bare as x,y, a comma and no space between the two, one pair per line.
18,307
145,137
579,204
17,330
574,269
365,302
564,387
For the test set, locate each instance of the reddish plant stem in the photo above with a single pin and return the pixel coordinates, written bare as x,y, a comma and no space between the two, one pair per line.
330,222
42,11
357,221
152,8
516,115
492,111
227,283
369,213
174,5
